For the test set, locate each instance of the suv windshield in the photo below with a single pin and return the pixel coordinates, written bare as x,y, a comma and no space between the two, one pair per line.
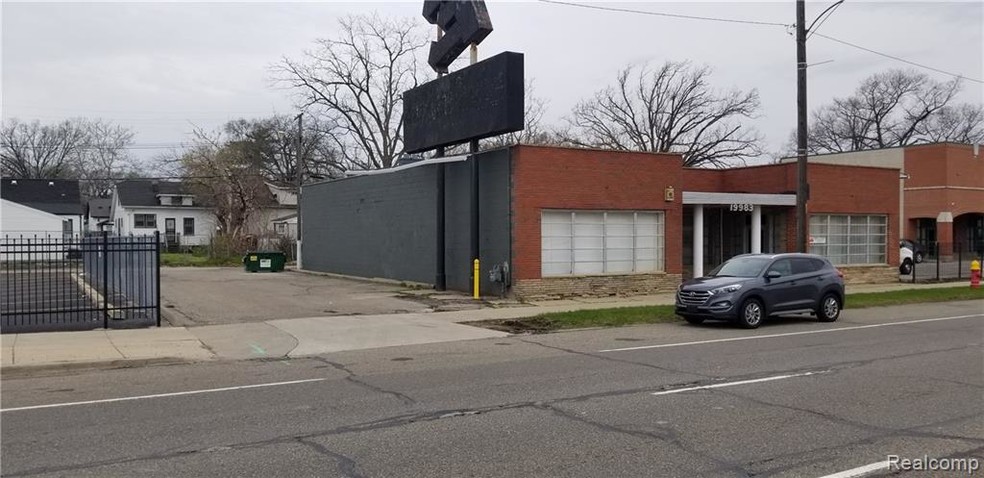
740,267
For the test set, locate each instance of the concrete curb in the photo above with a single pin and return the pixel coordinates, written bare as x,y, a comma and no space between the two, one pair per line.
32,371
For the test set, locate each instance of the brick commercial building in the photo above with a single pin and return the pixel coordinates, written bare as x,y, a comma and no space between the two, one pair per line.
587,222
942,191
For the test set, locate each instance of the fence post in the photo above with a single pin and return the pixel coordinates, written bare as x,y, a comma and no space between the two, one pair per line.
105,281
959,260
937,262
157,273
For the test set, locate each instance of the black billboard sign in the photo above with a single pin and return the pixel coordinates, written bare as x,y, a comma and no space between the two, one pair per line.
482,100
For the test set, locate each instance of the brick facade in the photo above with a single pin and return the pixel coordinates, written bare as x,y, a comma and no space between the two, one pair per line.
834,189
583,179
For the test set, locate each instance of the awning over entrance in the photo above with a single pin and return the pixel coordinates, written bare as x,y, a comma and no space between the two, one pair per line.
755,199
739,202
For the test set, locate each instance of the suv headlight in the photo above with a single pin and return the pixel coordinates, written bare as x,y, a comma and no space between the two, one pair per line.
726,289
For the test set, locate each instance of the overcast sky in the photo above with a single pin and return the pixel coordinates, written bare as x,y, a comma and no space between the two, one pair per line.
161,68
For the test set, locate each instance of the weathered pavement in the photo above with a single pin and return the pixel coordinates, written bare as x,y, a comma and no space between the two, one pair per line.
812,399
25,354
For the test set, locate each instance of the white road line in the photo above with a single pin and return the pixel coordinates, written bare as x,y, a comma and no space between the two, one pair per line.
160,395
789,334
861,470
741,382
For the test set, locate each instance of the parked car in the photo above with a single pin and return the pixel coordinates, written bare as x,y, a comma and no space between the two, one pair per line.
905,267
748,288
917,249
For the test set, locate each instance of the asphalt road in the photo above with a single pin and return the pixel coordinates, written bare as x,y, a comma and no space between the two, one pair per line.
793,398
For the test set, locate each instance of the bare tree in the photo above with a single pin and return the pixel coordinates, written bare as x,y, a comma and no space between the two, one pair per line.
91,150
104,158
356,80
227,179
668,109
894,108
33,150
271,144
963,123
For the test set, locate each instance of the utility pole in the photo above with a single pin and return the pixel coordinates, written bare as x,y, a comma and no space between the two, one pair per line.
299,169
440,276
802,186
475,241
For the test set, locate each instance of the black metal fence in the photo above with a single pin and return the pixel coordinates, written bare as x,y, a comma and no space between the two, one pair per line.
79,283
936,262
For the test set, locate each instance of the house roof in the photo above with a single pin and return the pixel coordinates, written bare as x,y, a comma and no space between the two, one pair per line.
55,196
285,218
100,207
143,192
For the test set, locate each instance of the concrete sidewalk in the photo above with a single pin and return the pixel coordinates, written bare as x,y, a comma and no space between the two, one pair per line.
25,353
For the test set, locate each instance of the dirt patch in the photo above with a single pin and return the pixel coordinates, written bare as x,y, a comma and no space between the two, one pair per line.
530,325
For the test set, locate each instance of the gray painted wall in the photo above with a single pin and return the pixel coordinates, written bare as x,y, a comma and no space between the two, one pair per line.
384,225
494,219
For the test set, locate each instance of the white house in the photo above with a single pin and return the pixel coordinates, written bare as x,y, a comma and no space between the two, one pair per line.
18,220
143,206
140,207
57,197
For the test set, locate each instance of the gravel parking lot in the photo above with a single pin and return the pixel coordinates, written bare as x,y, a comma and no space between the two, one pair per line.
222,295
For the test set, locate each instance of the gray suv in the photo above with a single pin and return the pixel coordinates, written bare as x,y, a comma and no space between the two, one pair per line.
750,287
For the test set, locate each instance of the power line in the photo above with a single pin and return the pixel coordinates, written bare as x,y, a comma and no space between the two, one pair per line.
903,60
662,14
761,23
828,12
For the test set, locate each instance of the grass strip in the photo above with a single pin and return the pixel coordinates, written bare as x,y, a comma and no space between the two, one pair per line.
654,314
169,259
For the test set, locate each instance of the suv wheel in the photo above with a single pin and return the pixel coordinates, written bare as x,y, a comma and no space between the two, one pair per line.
693,320
919,257
829,308
751,314
906,267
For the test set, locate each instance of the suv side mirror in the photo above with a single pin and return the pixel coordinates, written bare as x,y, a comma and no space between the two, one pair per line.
772,275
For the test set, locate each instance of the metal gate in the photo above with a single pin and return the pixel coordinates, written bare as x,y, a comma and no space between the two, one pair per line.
79,283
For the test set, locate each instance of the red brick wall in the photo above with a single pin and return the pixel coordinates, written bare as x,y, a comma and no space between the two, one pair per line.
566,178
932,166
834,189
857,190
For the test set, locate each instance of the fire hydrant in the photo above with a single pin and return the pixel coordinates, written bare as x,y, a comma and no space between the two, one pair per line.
975,273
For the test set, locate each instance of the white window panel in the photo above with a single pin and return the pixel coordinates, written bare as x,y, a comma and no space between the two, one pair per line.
645,253
596,242
551,243
557,268
618,254
850,239
589,242
648,242
618,242
619,266
589,255
558,255
584,268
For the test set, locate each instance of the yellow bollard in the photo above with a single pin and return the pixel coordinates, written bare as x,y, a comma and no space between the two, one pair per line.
475,270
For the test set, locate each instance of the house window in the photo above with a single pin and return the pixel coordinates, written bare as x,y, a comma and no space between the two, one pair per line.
189,226
601,242
145,221
849,239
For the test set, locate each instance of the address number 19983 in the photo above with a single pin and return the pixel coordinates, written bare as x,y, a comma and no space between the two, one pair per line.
740,208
